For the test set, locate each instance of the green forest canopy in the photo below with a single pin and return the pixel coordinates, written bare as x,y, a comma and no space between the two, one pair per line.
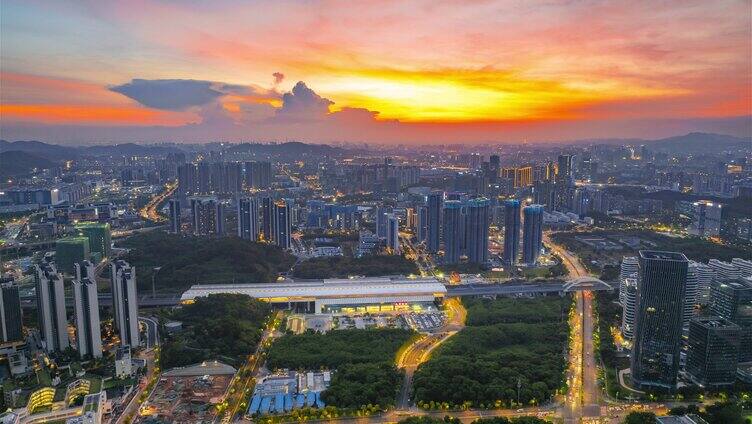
188,260
363,361
343,266
226,326
505,340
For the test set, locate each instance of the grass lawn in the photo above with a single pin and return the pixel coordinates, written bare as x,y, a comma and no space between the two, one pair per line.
96,384
118,383
44,378
495,274
535,272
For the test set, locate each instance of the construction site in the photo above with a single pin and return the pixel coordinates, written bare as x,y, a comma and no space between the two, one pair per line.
188,394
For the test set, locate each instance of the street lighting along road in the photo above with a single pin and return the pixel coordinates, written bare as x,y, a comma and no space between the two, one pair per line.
583,390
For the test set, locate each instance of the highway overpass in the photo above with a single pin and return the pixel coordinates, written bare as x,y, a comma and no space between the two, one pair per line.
527,288
105,300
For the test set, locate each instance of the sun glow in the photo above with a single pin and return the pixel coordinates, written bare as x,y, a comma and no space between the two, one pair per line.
468,96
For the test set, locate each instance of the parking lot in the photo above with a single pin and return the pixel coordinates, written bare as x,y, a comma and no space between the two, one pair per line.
424,322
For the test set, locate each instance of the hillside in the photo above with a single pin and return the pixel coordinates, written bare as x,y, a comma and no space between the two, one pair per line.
13,163
292,149
701,142
128,149
57,152
188,260
48,151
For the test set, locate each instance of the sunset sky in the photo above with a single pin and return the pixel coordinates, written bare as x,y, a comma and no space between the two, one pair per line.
373,71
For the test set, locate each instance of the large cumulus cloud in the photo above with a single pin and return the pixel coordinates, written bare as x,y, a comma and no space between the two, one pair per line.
235,110
303,104
170,94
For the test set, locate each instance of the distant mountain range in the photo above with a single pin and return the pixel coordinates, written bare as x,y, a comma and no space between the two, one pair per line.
294,148
697,142
57,152
49,151
692,142
15,163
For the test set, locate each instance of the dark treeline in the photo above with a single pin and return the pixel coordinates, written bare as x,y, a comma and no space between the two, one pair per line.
362,360
343,266
506,341
220,326
494,420
188,260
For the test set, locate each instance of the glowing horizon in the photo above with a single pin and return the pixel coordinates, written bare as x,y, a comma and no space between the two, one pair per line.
374,71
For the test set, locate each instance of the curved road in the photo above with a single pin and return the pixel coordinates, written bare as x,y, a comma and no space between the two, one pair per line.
150,212
419,352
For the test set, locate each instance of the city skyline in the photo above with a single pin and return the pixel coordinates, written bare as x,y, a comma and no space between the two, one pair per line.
373,212
491,71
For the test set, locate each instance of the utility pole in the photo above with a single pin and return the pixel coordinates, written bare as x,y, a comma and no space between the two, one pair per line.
519,386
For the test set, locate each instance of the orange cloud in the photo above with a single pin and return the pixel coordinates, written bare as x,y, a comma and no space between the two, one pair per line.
420,70
91,115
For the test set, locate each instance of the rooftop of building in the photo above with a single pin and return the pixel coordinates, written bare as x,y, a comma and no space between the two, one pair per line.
714,322
708,203
684,419
203,368
738,283
479,201
338,287
73,240
661,255
122,351
87,224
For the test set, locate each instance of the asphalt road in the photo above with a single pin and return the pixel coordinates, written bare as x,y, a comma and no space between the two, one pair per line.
421,349
152,332
235,401
150,212
583,400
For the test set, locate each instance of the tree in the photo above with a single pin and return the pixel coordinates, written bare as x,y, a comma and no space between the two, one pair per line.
187,260
640,418
684,410
430,420
228,325
517,420
362,360
341,266
723,413
505,341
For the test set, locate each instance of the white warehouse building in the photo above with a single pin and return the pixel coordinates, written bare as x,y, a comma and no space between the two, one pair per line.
372,294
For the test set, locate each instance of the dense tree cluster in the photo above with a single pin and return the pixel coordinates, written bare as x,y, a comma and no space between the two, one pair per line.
343,266
717,413
225,326
315,350
362,360
694,248
725,413
636,417
509,311
506,341
609,315
514,420
355,385
188,260
453,420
